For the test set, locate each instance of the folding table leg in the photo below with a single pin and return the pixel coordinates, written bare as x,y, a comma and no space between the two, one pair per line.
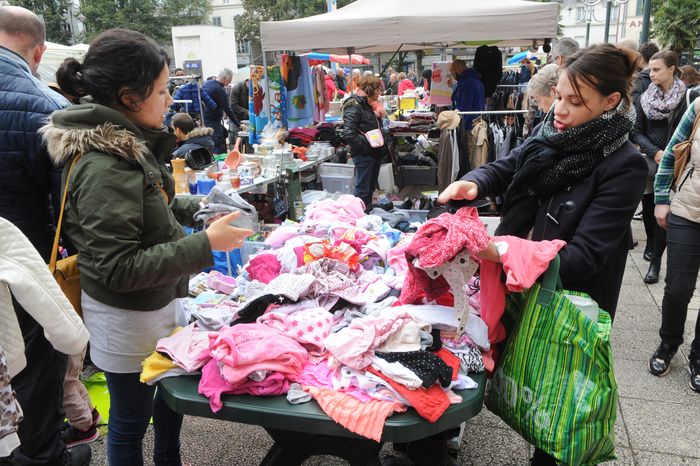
293,448
289,448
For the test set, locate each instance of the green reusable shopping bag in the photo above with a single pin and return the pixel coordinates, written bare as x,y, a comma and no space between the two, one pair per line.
555,384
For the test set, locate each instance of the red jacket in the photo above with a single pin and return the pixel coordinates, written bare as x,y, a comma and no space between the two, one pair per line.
405,85
330,88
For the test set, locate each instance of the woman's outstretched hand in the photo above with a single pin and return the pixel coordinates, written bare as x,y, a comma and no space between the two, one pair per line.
458,191
224,237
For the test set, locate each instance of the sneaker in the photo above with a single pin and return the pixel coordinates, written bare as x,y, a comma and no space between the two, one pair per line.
660,362
637,216
73,436
694,369
78,456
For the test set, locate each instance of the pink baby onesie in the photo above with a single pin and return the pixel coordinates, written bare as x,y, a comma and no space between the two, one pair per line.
355,344
246,348
435,244
523,263
363,418
212,385
188,348
346,209
309,327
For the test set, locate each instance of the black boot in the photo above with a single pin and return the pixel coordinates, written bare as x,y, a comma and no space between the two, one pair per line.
652,275
648,255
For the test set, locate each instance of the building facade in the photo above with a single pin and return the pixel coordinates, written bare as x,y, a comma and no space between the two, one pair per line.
223,13
625,21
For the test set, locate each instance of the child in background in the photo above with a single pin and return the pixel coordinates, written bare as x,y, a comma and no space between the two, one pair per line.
189,136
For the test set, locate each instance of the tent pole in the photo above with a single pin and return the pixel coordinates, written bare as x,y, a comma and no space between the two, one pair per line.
390,60
351,50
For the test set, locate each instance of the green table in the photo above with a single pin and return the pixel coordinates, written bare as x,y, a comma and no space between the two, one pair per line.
304,430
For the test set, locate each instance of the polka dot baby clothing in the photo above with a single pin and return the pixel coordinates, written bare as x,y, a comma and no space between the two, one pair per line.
424,364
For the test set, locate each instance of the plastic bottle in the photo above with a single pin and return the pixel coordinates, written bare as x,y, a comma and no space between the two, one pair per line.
191,180
179,175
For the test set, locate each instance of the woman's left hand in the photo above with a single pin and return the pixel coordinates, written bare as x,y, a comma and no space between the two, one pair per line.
658,156
490,253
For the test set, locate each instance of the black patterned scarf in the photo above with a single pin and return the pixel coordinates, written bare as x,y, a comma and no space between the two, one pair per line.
553,160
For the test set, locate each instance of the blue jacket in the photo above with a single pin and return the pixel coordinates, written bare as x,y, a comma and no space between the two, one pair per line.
468,95
28,179
189,92
216,91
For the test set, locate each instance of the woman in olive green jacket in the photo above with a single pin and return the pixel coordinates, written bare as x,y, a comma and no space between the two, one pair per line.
125,223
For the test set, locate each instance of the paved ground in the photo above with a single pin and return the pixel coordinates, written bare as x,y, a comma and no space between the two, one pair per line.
658,420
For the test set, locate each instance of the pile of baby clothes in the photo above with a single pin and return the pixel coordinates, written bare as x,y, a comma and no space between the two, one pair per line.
336,310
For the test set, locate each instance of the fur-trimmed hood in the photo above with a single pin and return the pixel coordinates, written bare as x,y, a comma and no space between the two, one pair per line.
198,132
197,138
95,128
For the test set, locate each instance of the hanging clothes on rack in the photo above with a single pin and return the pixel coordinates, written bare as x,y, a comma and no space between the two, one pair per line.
258,105
498,136
321,104
453,154
297,79
488,61
479,148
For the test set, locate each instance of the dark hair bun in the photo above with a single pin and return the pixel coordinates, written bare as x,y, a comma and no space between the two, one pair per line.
119,61
633,60
70,78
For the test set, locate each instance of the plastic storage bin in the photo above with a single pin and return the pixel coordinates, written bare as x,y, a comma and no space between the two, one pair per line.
338,183
336,169
251,248
337,177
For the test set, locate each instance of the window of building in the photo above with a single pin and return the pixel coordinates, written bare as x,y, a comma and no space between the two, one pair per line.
640,8
216,20
243,46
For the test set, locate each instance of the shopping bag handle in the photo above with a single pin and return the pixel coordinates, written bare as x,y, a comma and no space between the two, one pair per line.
551,283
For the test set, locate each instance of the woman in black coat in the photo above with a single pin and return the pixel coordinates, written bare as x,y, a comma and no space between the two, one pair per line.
579,179
362,113
659,111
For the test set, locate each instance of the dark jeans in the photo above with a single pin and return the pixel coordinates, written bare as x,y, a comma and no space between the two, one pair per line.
131,405
682,267
232,134
366,176
214,123
39,389
656,236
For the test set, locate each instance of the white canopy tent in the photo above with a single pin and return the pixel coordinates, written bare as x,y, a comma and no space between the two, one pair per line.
384,26
54,56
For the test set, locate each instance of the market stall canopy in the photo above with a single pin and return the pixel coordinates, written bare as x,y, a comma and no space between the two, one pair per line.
54,56
316,58
372,26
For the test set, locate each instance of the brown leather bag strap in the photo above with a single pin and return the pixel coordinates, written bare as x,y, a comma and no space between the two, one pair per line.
54,250
696,124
